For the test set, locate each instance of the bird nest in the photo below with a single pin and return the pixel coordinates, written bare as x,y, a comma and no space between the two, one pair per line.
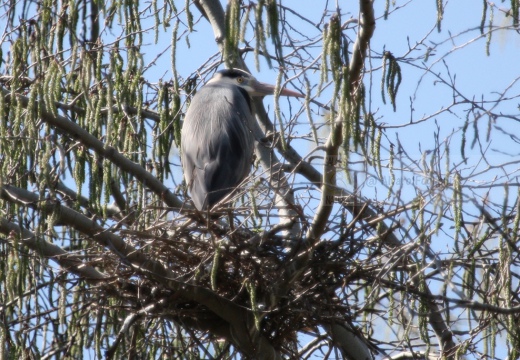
226,256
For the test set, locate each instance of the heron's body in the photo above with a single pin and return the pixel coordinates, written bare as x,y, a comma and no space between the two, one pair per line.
217,149
217,140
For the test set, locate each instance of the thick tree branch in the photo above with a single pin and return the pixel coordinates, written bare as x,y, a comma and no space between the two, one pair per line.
49,250
328,180
351,346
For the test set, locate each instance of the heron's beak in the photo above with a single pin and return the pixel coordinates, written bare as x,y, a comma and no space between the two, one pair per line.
262,89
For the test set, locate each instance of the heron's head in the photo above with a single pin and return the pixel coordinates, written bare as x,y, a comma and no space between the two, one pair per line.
248,82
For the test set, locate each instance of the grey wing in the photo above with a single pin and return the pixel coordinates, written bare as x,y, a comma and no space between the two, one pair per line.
217,144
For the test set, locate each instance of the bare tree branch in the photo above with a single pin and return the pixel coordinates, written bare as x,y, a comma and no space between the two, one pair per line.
46,249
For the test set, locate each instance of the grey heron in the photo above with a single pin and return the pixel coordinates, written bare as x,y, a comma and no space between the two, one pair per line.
217,141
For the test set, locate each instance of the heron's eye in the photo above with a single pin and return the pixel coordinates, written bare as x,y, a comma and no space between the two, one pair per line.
240,80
